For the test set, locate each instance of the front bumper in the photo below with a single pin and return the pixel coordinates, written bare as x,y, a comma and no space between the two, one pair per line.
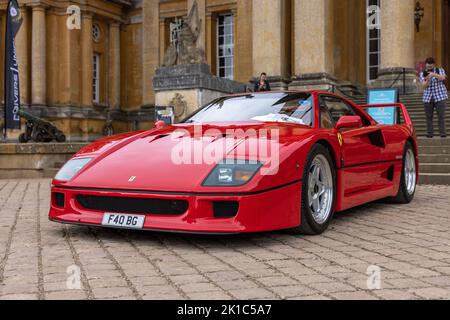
270,210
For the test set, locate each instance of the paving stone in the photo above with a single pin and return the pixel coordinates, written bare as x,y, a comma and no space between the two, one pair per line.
414,260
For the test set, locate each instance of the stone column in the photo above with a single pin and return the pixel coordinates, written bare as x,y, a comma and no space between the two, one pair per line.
86,60
269,42
38,57
397,45
314,63
22,50
243,61
114,68
150,49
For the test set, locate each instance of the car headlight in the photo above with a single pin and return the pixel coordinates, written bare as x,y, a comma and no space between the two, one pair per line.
71,168
232,173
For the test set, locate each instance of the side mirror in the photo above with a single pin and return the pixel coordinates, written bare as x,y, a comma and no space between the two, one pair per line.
349,122
160,124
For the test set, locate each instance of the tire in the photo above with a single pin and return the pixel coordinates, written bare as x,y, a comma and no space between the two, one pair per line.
408,180
313,221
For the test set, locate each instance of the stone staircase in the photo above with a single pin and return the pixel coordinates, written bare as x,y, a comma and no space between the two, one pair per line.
414,104
434,154
434,158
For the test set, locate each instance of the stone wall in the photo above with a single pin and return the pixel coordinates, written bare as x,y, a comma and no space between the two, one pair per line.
19,161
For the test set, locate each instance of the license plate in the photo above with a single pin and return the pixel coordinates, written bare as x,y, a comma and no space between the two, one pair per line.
123,220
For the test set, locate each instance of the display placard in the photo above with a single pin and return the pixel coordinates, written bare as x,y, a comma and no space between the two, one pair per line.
385,115
165,114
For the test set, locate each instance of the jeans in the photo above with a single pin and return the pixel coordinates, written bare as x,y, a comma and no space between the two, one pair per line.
429,111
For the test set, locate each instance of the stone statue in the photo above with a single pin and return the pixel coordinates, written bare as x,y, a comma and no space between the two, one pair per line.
184,50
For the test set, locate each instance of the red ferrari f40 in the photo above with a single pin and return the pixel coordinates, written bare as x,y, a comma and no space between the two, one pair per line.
244,163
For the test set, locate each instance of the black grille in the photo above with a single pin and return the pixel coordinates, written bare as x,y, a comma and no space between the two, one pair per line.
133,205
225,209
59,199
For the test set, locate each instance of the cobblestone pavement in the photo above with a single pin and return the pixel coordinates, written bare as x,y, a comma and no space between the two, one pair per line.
410,244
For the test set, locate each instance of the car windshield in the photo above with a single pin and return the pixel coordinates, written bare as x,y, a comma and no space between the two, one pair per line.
268,107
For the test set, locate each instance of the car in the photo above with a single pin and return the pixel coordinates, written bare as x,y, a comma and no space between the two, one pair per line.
252,162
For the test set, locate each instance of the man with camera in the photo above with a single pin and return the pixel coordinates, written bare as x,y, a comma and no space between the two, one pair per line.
435,95
262,84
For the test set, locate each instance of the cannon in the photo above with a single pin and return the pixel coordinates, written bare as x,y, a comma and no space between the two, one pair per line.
39,130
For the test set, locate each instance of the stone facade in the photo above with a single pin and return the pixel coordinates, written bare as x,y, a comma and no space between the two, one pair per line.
299,43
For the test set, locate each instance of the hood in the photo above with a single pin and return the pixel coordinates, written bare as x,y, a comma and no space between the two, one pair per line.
180,157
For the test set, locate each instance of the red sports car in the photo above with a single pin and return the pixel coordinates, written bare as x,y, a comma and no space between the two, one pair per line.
244,163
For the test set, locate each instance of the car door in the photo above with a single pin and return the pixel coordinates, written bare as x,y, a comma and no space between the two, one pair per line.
360,149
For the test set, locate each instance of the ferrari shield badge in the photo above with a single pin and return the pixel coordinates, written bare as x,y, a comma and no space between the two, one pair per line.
341,141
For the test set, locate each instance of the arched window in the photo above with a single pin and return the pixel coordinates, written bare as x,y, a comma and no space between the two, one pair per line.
96,33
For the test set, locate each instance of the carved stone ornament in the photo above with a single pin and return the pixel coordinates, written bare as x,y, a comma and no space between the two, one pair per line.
179,105
184,50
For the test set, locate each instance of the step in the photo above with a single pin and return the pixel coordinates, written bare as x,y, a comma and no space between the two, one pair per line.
435,168
434,158
435,178
434,150
433,142
50,173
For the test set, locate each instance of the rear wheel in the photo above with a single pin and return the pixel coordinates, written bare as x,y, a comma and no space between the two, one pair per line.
408,180
318,192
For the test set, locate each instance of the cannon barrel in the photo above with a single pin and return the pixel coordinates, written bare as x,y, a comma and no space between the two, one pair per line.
30,117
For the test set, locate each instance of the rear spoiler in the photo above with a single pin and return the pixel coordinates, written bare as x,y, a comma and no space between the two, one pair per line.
400,106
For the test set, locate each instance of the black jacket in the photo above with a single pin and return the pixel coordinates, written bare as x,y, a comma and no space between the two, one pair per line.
266,84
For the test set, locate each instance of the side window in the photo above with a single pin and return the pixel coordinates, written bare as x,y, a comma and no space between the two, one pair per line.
337,107
326,121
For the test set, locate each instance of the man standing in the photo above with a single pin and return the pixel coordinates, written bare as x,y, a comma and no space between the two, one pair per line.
435,94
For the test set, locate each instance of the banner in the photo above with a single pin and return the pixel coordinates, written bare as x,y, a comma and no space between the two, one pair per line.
387,116
11,81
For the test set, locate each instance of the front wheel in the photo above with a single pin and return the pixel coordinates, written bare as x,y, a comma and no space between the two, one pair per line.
318,192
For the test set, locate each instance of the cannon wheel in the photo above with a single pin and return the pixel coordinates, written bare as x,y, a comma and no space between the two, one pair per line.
23,138
60,138
38,137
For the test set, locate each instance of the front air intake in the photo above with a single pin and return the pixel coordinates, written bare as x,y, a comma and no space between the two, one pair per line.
58,199
225,209
133,205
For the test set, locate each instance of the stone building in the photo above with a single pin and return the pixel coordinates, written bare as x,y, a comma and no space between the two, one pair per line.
81,76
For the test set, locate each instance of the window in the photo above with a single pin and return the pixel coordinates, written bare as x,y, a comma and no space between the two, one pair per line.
175,30
373,39
96,78
326,122
225,46
337,108
96,33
